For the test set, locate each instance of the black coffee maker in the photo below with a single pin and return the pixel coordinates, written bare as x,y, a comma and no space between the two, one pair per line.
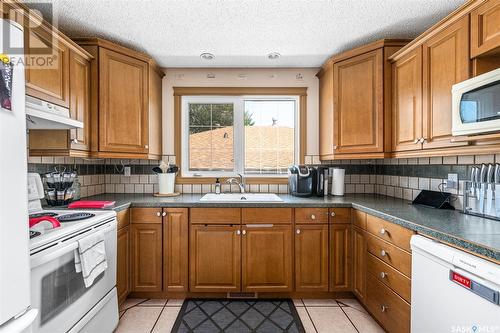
302,180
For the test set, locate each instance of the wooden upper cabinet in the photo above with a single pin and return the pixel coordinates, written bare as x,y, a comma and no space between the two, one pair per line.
123,103
485,29
50,81
407,101
214,258
326,140
445,62
340,257
267,259
358,104
146,256
79,105
175,249
311,257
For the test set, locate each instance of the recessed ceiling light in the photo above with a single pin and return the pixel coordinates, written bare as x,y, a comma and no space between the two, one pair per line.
273,55
207,56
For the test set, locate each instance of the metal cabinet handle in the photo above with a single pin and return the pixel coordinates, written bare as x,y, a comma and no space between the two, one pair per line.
146,146
423,140
298,231
383,275
417,140
164,214
383,253
158,214
384,308
334,147
75,141
382,231
238,232
244,232
313,217
332,214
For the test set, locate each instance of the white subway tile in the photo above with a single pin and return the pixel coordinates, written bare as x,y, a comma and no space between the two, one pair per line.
423,160
134,179
139,188
196,188
148,188
110,188
129,188
390,191
423,183
283,188
469,159
436,160
413,182
403,181
47,160
354,179
187,188
369,188
407,194
364,179
484,159
119,188
449,160
360,188
35,159
398,192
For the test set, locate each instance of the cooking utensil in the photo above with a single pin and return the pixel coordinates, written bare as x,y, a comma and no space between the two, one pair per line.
489,189
497,190
164,167
157,170
172,168
482,187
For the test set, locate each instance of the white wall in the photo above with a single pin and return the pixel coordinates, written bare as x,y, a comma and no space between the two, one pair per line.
229,77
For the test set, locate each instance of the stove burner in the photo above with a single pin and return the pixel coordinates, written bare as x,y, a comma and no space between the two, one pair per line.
74,217
34,234
34,216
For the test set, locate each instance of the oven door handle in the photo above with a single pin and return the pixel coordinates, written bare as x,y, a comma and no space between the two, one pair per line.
43,257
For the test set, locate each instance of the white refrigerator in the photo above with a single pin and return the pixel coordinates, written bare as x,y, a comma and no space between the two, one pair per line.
15,312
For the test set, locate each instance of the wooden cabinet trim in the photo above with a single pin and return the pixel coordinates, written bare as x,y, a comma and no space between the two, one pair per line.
389,276
340,215
485,42
175,250
340,257
390,232
215,215
311,215
267,215
146,215
390,254
146,256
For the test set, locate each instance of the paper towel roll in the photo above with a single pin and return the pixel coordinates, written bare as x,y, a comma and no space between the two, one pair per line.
338,177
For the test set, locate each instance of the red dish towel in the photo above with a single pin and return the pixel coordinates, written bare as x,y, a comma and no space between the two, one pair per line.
89,204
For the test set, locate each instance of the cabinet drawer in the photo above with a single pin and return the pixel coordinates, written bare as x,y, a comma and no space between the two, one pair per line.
390,254
123,218
340,215
386,306
389,276
215,215
359,219
311,215
145,215
390,232
266,215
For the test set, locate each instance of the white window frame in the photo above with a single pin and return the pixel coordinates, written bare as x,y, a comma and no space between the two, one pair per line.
238,127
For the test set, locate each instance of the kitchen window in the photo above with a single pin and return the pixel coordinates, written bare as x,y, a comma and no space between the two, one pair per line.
257,136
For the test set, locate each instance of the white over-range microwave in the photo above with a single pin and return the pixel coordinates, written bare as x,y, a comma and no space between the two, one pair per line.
476,105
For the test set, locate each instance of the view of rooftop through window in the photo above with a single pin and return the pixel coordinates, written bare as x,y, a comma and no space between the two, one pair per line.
262,138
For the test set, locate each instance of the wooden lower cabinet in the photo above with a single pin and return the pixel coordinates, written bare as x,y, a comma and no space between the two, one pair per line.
123,264
359,263
340,257
146,256
387,307
267,258
311,257
175,249
215,258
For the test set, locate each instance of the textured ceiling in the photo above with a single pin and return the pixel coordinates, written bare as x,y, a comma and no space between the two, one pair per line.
242,32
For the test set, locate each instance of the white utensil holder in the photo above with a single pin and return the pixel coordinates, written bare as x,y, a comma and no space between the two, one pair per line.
166,183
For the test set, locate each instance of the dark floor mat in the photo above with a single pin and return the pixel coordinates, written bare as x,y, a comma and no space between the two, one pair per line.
238,316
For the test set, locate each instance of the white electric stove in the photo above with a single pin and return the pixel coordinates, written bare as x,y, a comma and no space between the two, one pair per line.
57,290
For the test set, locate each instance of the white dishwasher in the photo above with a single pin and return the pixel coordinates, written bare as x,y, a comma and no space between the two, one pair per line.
452,291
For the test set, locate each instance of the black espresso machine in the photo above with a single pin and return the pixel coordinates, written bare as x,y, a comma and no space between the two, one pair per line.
306,181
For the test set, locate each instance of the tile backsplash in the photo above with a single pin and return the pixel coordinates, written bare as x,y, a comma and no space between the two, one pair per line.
402,178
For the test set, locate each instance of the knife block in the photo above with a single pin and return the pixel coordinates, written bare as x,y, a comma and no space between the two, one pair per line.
487,207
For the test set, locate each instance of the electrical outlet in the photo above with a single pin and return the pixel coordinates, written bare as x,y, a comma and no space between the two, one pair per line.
126,171
452,182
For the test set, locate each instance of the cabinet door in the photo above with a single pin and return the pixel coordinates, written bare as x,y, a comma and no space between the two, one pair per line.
326,140
485,30
407,102
358,104
146,255
215,258
123,103
123,264
340,257
175,249
47,76
311,257
267,258
445,62
359,264
79,105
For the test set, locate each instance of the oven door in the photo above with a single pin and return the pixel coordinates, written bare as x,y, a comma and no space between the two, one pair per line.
58,291
476,105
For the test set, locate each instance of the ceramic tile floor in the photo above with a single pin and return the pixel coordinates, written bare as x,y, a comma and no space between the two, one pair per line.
317,316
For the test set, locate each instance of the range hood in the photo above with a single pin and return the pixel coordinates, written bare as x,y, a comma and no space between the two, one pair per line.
44,115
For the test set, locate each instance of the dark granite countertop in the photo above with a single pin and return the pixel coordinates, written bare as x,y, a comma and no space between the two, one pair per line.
476,234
